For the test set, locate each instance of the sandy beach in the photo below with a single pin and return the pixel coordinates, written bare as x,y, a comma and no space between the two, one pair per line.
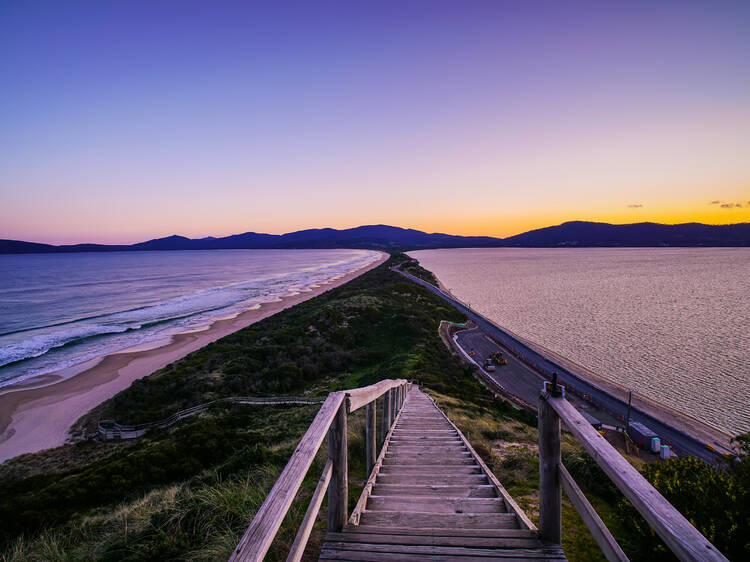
36,414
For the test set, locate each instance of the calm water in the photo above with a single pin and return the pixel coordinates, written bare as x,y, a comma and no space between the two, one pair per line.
673,324
59,310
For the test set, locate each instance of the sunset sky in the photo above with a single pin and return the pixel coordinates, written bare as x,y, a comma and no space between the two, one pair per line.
123,121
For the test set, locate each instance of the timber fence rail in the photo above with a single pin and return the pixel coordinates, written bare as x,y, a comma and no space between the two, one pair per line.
331,421
110,430
684,540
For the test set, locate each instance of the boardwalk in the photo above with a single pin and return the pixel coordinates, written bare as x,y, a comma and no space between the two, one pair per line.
434,499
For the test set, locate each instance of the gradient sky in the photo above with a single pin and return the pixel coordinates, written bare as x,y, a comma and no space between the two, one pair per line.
123,121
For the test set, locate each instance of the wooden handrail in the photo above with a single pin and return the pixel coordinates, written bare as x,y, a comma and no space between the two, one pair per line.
685,541
300,541
258,537
359,397
330,420
596,526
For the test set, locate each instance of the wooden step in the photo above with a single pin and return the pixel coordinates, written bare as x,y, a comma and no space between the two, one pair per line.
436,505
363,535
431,500
425,446
419,430
478,491
425,452
425,449
436,469
435,480
427,460
426,532
417,519
421,438
368,552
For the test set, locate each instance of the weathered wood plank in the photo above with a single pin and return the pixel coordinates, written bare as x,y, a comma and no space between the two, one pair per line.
435,480
303,534
510,503
436,505
426,461
436,469
478,491
338,490
479,553
550,507
449,532
359,397
435,540
596,526
258,536
357,556
372,478
426,440
370,437
386,421
676,531
448,447
439,520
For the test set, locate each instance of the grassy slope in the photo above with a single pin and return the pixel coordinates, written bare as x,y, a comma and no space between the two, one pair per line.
188,492
155,497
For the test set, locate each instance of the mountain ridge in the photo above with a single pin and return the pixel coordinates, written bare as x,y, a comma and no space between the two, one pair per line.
385,237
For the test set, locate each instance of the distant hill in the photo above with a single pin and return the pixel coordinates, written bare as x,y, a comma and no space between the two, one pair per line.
383,237
644,234
373,237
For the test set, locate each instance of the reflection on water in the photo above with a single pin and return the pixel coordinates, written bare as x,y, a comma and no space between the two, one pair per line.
674,324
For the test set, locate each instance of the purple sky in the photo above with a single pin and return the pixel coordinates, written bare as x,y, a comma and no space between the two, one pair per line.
121,121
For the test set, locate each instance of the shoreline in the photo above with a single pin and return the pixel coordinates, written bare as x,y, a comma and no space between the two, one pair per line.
38,414
676,418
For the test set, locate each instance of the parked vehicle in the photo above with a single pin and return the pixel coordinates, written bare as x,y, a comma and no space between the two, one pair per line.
498,358
640,434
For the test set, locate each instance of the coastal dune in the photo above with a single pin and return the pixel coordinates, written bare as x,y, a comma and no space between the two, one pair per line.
37,414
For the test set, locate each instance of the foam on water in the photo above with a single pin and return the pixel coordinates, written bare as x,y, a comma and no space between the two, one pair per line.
139,310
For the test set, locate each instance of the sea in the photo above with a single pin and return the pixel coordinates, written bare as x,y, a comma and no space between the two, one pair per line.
58,311
670,323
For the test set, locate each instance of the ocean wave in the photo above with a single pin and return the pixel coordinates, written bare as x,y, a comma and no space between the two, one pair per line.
30,351
38,345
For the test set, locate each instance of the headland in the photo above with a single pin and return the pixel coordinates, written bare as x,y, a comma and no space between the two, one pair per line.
37,414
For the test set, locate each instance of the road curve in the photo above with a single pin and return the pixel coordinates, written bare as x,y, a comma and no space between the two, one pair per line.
682,443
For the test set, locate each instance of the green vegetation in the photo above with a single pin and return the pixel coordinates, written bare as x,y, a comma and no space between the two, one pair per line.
715,501
188,492
412,267
149,498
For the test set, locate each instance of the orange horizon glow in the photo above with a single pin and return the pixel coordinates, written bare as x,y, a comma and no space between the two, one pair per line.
478,227
470,119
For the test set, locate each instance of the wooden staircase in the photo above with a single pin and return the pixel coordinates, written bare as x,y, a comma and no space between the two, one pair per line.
431,497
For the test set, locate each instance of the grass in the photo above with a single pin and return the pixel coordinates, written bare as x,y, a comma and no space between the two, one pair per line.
188,492
507,442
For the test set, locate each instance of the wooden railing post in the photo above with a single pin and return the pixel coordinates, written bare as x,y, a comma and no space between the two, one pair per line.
370,430
386,425
338,488
550,498
394,405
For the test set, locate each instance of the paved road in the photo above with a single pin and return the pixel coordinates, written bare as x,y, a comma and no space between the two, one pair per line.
516,377
681,443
